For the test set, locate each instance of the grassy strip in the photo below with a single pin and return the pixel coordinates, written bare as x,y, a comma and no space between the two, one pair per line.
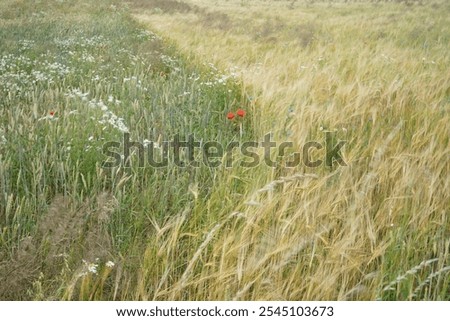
74,75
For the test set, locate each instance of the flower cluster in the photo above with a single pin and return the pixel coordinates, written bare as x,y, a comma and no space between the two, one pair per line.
108,117
217,78
92,267
26,44
240,113
19,73
80,41
89,268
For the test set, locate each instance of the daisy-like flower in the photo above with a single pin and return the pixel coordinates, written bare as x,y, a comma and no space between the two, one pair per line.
92,268
110,264
89,268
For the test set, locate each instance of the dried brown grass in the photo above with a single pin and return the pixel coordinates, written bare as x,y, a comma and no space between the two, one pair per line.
63,236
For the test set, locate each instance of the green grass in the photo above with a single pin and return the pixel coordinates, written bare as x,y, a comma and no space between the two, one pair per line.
107,61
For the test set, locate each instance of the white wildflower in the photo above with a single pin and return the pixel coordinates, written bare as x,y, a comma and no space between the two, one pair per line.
88,268
146,142
108,116
92,268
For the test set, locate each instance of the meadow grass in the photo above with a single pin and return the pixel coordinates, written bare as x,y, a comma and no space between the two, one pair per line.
74,75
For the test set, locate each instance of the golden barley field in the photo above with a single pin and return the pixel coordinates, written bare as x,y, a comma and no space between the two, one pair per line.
374,75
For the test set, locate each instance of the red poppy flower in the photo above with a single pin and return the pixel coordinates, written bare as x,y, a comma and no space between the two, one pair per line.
230,115
52,113
240,112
